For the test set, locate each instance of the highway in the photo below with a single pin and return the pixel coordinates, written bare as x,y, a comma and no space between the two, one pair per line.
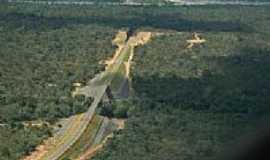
74,128
96,89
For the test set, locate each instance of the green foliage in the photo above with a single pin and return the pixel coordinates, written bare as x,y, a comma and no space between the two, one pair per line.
80,102
19,141
118,109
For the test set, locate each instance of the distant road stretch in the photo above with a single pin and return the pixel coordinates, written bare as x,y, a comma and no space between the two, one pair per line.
182,3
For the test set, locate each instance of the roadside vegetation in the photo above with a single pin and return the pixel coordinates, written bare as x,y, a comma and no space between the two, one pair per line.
17,140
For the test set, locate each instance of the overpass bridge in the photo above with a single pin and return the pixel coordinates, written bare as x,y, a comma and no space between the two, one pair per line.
95,88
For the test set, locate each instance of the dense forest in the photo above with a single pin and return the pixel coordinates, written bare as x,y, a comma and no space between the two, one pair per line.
149,1
152,2
187,102
194,104
42,54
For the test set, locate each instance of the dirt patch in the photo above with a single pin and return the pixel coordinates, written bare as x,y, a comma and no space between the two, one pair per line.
120,123
140,39
40,151
197,39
